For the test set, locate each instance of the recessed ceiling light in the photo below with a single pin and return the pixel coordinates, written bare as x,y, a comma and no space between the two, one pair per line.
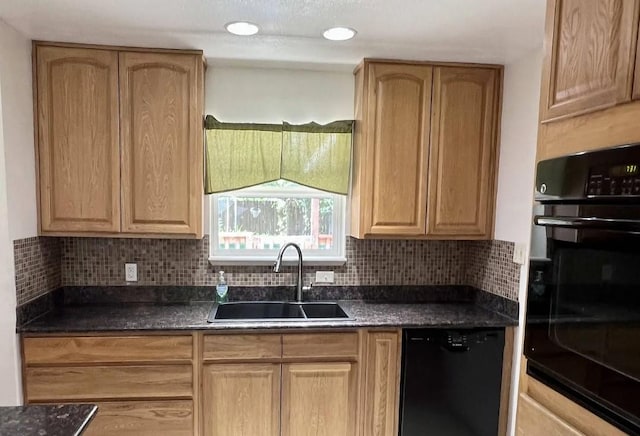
242,28
339,33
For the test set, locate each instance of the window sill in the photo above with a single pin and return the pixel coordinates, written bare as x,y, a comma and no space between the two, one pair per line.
269,261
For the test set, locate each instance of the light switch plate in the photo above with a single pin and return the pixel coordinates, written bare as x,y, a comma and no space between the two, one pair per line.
520,253
324,277
131,272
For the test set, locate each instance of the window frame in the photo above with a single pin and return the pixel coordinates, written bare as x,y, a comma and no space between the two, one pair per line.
333,257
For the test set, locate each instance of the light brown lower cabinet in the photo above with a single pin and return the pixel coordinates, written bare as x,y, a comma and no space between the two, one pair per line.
382,383
284,383
536,420
241,399
319,399
543,411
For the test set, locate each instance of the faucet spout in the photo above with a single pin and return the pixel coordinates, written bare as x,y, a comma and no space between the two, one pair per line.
278,264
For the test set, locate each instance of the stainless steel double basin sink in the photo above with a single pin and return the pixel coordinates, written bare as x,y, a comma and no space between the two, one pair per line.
248,311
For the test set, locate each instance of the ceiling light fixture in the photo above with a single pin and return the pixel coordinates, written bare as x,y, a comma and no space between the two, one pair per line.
339,33
242,28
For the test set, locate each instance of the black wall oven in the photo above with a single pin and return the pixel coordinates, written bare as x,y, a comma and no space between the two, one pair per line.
582,336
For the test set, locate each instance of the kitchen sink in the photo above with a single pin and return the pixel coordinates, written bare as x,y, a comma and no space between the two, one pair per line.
277,311
323,311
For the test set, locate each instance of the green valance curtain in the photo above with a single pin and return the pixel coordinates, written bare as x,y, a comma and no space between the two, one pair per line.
240,155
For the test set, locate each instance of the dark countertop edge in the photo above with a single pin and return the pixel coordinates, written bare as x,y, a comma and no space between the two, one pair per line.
92,414
266,325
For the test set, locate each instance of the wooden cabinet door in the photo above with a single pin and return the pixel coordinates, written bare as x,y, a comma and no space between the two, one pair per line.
241,399
318,399
462,166
162,143
399,99
77,137
382,383
533,419
590,47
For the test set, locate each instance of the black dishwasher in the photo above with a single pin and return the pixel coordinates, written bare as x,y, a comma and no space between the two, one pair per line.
451,382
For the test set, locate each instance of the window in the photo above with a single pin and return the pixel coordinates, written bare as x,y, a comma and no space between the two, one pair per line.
251,224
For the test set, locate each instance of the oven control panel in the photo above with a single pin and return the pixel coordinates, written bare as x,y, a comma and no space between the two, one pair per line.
614,180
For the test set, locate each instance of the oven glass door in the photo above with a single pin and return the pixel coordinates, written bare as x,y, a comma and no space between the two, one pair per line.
583,318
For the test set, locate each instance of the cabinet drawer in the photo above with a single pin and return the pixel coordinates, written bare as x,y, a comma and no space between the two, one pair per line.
142,418
242,347
105,349
342,346
536,420
108,382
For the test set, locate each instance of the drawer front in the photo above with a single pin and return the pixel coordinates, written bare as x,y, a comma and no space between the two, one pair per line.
106,349
242,347
108,382
343,346
142,418
535,420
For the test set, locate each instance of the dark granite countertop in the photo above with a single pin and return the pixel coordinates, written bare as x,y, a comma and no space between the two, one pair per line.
61,420
193,316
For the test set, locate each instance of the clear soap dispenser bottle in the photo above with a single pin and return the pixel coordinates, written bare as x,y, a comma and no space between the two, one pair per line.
222,289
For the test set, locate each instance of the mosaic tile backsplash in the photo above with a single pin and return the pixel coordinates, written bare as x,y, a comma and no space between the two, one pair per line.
489,266
100,262
94,261
37,267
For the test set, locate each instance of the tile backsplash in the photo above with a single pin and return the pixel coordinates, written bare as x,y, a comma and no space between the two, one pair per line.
42,264
489,265
37,267
94,261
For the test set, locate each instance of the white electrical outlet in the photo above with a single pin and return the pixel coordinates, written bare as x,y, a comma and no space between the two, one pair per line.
520,253
324,277
131,272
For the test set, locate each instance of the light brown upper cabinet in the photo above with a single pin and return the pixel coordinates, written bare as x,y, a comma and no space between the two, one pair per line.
119,141
161,137
463,153
424,150
77,131
392,109
590,47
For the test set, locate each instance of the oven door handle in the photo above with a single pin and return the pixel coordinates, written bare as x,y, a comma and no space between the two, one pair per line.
613,224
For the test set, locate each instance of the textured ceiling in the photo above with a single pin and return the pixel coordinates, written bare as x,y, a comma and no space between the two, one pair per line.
463,30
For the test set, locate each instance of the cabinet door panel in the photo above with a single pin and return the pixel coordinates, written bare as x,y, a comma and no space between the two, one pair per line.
162,143
241,400
462,163
381,398
78,144
318,399
399,104
589,60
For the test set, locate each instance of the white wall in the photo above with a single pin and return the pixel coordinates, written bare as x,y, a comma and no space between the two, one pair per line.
17,117
263,95
521,96
9,382
17,192
519,133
